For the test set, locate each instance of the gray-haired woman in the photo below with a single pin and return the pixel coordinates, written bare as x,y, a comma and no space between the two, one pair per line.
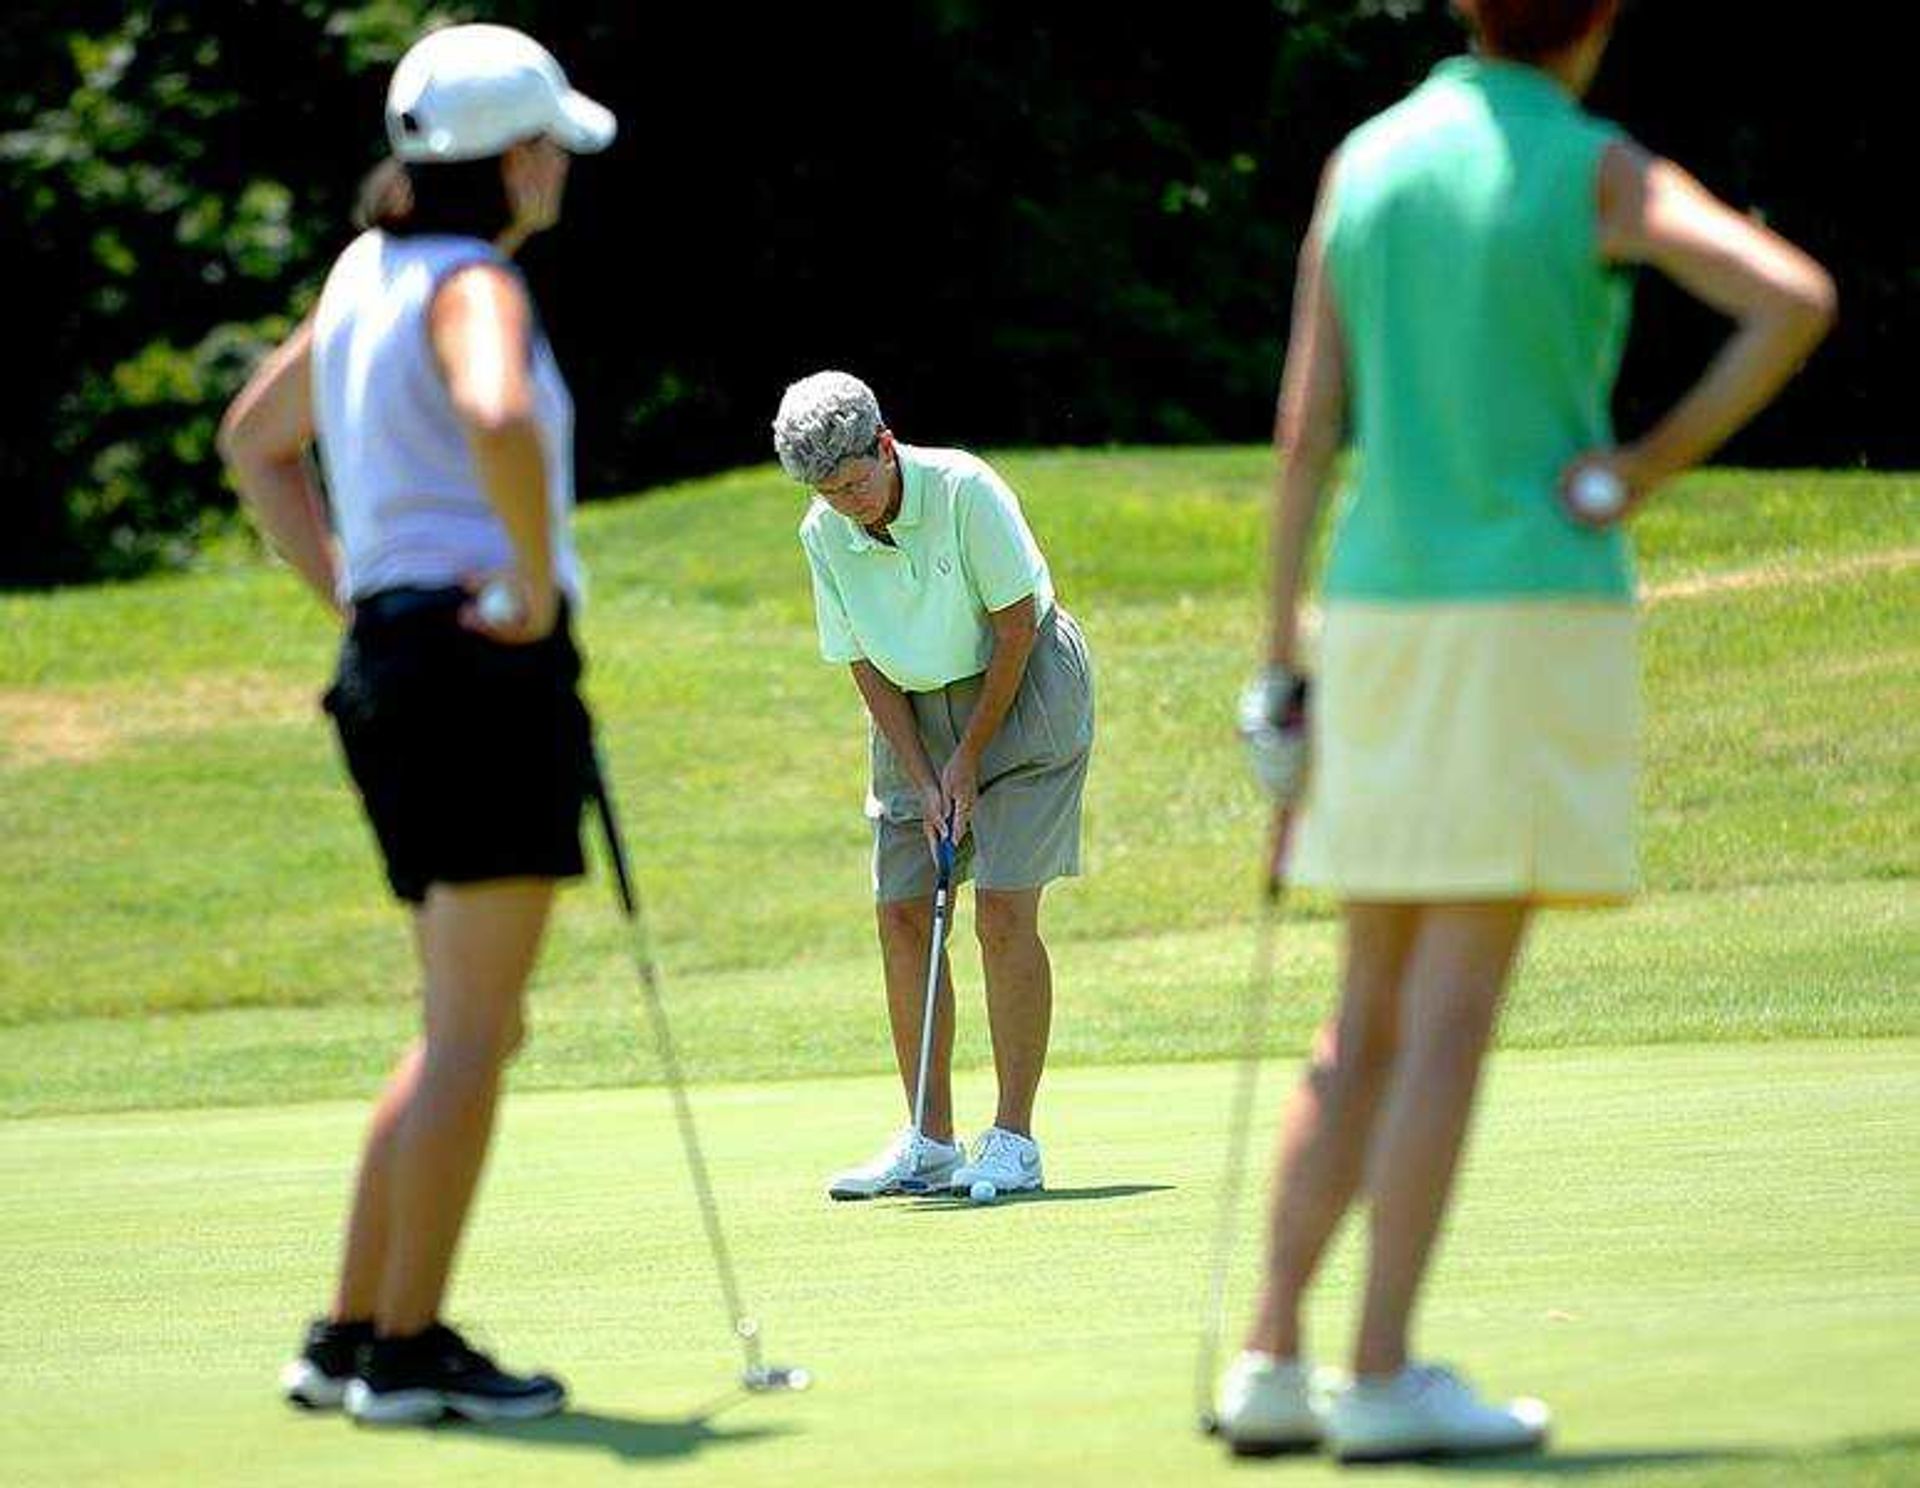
928,584
445,429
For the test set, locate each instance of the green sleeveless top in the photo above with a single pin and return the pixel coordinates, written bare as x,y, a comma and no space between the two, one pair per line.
1483,336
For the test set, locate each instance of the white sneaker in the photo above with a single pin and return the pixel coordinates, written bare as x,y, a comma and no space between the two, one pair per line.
1267,1406
906,1165
1007,1160
1428,1411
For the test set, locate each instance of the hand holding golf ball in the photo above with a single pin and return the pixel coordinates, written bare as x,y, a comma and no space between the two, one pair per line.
499,605
1594,492
503,610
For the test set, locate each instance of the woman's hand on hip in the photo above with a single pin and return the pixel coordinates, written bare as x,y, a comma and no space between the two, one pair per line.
506,608
1603,487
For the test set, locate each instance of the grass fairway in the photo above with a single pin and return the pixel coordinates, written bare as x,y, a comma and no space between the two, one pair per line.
1660,1241
1692,1220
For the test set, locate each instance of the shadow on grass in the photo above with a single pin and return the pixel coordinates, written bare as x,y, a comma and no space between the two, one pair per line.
628,1438
1039,1196
1734,1463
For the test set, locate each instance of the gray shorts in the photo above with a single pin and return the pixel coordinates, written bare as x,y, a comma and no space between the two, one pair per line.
1025,828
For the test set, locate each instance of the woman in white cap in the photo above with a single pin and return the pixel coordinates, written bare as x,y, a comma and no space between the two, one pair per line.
445,432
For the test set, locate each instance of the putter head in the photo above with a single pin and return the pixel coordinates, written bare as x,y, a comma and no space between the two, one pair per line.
773,1379
1208,1423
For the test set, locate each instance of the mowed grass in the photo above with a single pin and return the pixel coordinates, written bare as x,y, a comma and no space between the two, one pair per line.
1691,1217
1707,1258
181,840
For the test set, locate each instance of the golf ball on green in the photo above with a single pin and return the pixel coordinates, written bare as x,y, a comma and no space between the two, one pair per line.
983,1192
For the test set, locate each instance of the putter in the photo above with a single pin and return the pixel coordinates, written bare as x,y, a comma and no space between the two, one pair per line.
757,1377
942,889
1253,1037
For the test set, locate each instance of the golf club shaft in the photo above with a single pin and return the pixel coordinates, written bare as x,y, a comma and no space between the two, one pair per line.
1253,1037
928,1010
669,1056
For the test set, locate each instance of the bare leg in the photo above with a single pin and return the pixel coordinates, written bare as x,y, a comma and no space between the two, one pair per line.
478,943
1323,1135
366,1244
1450,997
906,928
1019,997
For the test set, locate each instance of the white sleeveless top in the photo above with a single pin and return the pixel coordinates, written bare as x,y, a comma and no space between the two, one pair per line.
407,503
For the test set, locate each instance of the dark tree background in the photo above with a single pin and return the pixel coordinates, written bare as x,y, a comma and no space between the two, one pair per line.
1043,223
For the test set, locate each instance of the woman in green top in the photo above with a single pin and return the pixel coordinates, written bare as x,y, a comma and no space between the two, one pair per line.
1474,722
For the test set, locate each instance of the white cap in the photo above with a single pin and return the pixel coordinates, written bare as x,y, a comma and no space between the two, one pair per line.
470,91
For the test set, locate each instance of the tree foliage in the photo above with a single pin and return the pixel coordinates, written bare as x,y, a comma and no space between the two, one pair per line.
1044,223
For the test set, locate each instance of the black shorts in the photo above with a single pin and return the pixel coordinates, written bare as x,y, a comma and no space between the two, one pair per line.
473,759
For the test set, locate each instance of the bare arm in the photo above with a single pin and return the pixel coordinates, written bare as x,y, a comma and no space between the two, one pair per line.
1307,435
1014,628
265,437
1780,300
481,329
893,716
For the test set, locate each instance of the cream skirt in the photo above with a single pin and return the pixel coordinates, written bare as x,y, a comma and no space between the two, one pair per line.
1469,751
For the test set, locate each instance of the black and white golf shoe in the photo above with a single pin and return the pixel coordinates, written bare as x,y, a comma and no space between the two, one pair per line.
434,1373
317,1377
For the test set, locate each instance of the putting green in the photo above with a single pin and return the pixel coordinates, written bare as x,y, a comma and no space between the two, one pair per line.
1707,1258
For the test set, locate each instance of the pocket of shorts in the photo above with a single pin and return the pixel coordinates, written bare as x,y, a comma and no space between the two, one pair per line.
888,786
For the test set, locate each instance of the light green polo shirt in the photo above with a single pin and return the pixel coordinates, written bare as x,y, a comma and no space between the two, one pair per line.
1483,332
918,610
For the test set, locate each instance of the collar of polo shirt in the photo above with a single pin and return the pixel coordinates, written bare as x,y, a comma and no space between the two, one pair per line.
912,500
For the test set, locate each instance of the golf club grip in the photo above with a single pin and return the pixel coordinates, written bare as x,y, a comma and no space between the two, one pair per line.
610,832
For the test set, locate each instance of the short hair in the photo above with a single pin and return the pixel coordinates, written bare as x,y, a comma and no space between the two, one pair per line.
824,420
1528,30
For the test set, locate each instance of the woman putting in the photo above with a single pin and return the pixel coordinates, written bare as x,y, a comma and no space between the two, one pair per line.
1474,721
445,429
929,586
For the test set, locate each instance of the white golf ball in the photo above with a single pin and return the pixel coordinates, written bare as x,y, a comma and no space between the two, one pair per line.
498,604
983,1191
1597,492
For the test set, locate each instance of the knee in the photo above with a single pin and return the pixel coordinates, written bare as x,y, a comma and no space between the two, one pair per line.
903,922
479,1050
1453,1029
1354,1052
1000,926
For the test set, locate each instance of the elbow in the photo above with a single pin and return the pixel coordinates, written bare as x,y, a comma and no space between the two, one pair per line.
230,439
495,419
1819,306
1308,452
1808,309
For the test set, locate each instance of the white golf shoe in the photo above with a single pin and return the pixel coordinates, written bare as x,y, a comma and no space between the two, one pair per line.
1007,1160
1267,1406
907,1164
1427,1410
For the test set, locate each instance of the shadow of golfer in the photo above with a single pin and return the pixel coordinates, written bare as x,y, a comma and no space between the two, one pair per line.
935,1202
628,1438
1815,1459
1556,1464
